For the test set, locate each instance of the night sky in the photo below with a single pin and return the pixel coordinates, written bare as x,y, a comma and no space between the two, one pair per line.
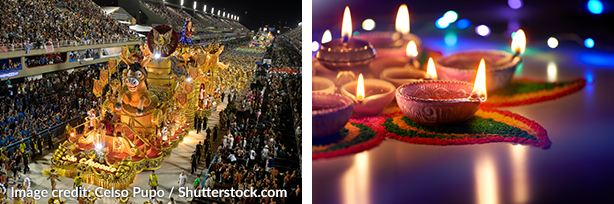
255,14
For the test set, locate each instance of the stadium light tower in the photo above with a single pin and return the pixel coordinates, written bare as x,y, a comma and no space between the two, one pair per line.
212,10
224,14
205,9
195,5
181,3
218,12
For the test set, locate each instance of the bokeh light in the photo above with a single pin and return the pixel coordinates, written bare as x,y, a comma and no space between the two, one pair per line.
450,39
513,33
553,42
315,46
595,6
368,24
441,23
450,16
589,43
482,30
463,23
514,4
355,33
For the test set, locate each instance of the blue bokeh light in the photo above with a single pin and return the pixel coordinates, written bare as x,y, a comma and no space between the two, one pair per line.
514,4
463,23
589,43
589,78
442,23
450,39
595,6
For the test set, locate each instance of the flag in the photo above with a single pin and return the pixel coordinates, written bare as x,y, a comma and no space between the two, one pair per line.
3,49
29,48
112,65
49,48
104,76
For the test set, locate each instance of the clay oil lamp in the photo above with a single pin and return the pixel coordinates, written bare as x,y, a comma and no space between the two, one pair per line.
322,85
330,113
501,65
392,43
346,53
400,76
437,103
370,96
408,61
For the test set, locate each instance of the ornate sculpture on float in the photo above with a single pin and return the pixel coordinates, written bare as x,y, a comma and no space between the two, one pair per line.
146,111
186,34
135,93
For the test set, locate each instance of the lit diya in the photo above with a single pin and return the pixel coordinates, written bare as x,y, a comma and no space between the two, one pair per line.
501,64
371,96
400,76
437,103
391,43
330,113
408,61
346,53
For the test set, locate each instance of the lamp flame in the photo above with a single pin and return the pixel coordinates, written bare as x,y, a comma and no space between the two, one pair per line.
519,43
479,86
412,49
431,72
327,37
402,22
346,26
360,88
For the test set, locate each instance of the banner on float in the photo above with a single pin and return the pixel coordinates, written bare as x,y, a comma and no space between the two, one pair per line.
49,48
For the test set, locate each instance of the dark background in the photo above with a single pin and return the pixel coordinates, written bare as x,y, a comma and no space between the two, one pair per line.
252,14
539,19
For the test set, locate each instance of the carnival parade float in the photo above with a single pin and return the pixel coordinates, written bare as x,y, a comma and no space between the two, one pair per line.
146,111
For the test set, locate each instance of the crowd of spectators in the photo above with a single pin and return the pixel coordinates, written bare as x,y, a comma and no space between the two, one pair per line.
175,17
34,105
43,22
83,54
10,65
255,140
284,54
221,23
40,60
295,36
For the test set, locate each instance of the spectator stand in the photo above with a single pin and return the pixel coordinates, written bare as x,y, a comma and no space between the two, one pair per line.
43,60
10,65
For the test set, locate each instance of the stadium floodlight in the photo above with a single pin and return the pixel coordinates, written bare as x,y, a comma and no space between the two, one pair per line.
224,14
181,3
205,9
194,4
218,12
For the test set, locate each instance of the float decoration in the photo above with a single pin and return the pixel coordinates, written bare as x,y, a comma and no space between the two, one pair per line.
147,110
